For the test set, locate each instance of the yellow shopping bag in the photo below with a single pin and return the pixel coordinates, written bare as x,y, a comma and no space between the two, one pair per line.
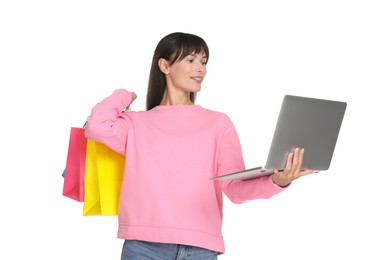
103,179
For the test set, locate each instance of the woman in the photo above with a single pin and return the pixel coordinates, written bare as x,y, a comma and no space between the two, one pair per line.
169,208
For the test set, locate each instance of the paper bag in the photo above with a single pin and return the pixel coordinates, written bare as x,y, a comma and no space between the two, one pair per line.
103,179
75,165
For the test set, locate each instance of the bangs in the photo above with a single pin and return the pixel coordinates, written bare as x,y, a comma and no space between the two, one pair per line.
189,44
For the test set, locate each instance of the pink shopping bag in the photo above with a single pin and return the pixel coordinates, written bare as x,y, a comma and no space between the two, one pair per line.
75,165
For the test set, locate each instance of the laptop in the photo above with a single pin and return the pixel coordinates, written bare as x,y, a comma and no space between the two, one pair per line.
303,122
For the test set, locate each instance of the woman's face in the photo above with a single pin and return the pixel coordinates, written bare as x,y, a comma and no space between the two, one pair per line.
187,74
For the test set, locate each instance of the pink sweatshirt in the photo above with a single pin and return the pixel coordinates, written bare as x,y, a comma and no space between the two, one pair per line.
171,154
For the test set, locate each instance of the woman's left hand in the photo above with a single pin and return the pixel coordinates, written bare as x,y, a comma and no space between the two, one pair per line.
292,171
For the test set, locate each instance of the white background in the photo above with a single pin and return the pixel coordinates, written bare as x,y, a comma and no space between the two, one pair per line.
58,58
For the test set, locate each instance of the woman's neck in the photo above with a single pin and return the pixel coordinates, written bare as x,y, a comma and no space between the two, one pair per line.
175,99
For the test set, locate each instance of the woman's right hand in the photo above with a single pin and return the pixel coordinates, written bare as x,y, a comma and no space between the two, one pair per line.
133,97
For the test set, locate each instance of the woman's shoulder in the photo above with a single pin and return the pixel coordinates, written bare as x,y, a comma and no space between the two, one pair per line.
219,116
215,112
196,112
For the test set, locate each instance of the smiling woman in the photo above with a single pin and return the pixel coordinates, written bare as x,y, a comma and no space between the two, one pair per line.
178,68
172,150
183,77
58,58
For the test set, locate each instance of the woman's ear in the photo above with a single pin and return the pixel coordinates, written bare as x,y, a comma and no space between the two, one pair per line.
163,64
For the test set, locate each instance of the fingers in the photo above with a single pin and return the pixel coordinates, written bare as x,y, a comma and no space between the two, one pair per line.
134,96
298,157
305,172
289,162
294,163
293,169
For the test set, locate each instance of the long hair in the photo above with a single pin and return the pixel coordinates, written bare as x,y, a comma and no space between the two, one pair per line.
173,47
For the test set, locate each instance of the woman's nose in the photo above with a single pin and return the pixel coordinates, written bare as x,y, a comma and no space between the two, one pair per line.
200,67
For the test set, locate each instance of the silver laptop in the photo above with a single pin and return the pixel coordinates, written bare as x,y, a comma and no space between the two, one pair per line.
309,123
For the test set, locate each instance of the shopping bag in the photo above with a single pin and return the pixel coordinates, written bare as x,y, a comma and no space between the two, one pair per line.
73,186
103,179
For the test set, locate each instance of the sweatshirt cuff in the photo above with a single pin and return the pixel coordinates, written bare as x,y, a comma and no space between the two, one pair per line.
126,97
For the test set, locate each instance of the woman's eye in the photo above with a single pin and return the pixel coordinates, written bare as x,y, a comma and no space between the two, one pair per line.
190,60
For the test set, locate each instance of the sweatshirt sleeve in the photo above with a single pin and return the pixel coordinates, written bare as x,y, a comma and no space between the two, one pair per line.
106,123
230,160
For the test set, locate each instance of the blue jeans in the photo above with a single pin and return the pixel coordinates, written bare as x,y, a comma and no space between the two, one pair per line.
141,250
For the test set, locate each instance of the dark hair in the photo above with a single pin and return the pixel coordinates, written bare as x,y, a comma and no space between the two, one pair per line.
173,47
